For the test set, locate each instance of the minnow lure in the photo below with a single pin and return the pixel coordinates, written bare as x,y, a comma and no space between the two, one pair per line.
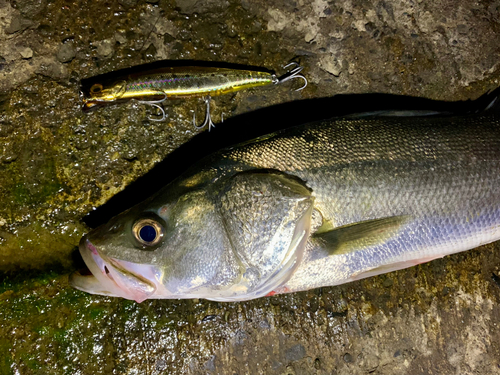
156,86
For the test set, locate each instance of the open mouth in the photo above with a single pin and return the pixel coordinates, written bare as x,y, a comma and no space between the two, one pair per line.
111,277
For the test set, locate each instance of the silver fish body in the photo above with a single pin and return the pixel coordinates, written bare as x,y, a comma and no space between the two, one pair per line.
316,205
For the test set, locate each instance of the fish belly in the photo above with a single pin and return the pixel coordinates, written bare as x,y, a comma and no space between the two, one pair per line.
419,242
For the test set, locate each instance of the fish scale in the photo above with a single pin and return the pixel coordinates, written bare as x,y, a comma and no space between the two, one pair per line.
375,195
445,173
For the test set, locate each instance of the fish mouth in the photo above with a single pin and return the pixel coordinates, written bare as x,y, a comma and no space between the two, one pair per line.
112,277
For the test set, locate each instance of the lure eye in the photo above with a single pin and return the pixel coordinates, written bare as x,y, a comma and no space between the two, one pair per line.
95,89
148,232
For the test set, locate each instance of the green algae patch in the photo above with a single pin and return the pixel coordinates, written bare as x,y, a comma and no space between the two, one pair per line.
36,245
18,281
97,312
31,361
21,193
47,326
5,357
25,193
33,175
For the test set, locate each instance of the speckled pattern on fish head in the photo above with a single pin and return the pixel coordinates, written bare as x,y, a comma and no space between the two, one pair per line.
237,237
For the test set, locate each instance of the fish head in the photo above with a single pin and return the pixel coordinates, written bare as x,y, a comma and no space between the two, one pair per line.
155,250
100,94
106,251
232,240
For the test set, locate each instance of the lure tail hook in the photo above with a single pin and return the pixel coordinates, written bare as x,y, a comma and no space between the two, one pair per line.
155,104
208,119
291,74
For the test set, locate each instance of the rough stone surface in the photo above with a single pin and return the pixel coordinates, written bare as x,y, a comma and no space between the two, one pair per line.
18,23
26,53
66,53
105,48
58,164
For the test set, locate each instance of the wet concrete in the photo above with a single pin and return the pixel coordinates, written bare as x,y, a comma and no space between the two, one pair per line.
57,164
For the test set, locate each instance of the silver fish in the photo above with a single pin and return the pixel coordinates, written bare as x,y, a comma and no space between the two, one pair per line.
317,205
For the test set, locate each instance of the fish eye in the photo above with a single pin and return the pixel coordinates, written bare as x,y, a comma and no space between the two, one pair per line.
96,88
147,231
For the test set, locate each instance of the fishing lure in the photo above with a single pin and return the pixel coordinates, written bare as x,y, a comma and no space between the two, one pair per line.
153,87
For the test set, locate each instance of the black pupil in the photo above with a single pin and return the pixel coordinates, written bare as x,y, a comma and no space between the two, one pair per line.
147,233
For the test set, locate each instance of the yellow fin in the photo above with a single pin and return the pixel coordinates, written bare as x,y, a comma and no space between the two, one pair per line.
358,236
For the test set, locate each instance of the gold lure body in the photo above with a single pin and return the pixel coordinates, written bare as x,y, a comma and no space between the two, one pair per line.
180,82
175,83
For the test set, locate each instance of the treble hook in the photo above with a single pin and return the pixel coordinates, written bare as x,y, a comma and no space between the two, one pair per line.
208,119
154,103
293,73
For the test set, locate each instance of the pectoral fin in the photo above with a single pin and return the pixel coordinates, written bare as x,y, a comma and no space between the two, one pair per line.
358,236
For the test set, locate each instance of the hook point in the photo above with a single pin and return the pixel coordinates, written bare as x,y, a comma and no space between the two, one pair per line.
208,119
293,73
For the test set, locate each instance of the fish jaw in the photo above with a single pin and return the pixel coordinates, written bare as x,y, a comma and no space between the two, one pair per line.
115,278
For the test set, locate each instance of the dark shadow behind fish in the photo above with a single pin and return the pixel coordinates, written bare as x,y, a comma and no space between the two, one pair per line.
271,119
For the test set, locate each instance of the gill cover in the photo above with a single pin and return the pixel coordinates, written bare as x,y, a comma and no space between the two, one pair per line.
267,217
